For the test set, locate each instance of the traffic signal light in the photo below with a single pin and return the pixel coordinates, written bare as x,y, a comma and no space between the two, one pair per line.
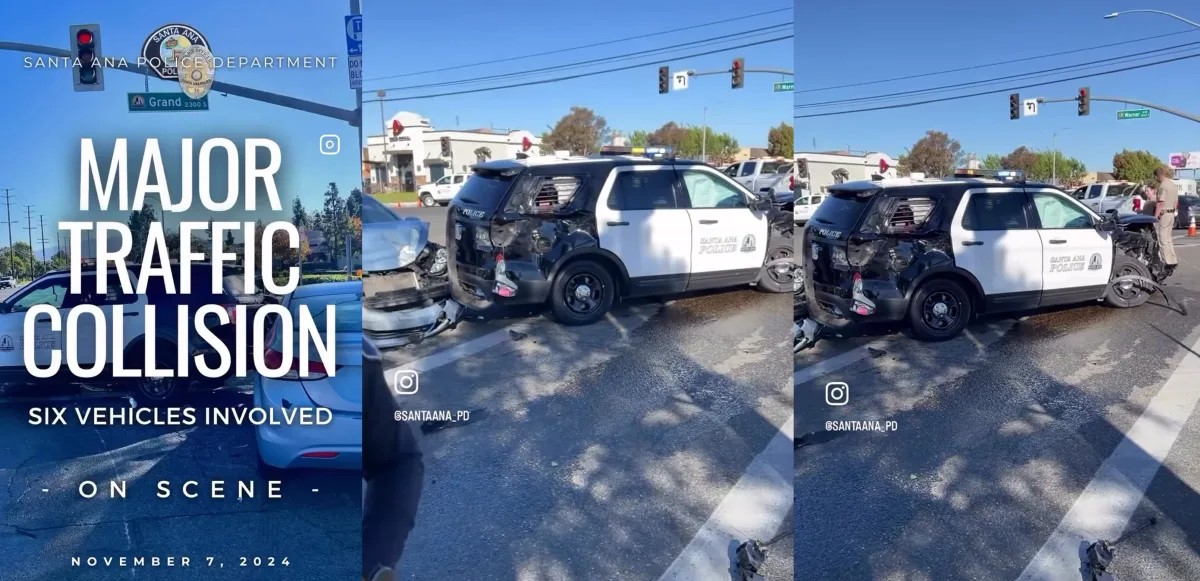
445,147
1014,106
1085,101
87,74
739,73
664,80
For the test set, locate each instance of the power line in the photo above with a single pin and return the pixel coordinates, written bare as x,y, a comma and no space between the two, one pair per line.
42,225
1035,74
593,45
9,221
572,77
995,64
993,92
29,227
745,35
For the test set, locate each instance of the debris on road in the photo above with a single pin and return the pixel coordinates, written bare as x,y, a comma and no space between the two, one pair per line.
876,353
516,335
1100,554
752,555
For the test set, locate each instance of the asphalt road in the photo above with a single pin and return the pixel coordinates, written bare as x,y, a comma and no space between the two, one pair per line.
44,521
436,216
1002,437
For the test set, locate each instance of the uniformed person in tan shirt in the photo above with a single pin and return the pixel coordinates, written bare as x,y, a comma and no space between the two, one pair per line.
1164,210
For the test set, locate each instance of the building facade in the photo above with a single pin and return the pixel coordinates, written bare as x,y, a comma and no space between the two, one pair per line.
413,157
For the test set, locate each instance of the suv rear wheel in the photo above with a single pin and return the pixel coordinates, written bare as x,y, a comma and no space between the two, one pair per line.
939,310
583,293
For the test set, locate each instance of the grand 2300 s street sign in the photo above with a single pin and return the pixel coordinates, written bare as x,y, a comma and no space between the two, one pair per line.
165,46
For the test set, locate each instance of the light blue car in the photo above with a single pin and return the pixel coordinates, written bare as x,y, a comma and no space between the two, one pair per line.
335,445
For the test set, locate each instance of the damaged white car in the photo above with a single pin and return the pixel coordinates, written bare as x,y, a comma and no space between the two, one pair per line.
407,293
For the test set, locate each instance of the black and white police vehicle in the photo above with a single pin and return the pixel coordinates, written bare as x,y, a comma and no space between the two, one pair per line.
583,232
935,252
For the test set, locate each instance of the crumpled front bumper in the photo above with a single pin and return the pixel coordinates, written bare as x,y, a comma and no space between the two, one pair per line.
397,328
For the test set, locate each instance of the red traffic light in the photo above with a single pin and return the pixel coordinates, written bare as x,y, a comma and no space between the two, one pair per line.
84,36
737,64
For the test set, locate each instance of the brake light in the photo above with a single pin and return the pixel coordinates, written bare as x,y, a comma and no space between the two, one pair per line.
792,183
323,455
1137,204
274,359
232,311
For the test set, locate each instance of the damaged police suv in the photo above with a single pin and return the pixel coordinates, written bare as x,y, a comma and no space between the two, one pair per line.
935,252
583,232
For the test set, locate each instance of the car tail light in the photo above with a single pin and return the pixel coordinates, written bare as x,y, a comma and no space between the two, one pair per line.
504,285
792,183
274,359
862,305
232,311
1137,204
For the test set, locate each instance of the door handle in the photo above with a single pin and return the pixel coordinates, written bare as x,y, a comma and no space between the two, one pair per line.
972,243
708,221
1058,241
131,314
618,223
42,320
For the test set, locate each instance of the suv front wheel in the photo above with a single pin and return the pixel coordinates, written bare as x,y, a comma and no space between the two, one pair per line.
582,294
428,201
940,310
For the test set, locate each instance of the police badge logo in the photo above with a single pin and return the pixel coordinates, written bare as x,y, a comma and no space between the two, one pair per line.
196,69
164,49
748,243
1096,262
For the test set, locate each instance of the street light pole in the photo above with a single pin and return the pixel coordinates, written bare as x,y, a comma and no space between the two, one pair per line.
704,137
1168,14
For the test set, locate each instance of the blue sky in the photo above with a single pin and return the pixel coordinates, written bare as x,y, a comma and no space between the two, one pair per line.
948,34
44,118
407,37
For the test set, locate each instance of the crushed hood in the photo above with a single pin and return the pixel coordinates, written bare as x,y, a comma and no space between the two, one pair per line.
393,244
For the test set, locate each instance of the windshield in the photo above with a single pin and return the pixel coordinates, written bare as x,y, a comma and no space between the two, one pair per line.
770,167
841,210
485,189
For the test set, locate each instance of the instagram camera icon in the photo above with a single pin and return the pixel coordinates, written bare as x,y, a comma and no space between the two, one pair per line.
405,382
837,393
330,144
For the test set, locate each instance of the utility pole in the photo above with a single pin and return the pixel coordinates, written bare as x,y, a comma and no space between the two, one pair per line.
8,220
42,226
29,228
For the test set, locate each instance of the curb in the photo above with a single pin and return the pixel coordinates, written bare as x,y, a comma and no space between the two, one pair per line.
408,204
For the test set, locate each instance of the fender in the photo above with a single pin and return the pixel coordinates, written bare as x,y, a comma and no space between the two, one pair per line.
944,269
590,251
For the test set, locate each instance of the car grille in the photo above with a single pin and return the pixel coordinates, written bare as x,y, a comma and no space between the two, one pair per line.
831,289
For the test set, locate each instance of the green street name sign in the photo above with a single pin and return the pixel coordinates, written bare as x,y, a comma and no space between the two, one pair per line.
784,87
1133,114
139,102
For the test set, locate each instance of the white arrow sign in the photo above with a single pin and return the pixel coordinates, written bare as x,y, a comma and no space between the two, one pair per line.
681,81
1031,107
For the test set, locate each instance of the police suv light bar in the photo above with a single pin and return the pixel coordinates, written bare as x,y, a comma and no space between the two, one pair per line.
652,152
1004,175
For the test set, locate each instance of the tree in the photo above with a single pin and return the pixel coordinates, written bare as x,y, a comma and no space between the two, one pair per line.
1069,171
354,203
720,147
1021,158
935,155
992,161
300,218
780,141
139,229
581,132
670,134
333,220
1135,166
639,138
17,259
60,261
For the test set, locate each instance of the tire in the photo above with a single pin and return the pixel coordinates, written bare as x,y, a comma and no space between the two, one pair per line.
568,307
428,201
956,310
1127,297
160,391
771,280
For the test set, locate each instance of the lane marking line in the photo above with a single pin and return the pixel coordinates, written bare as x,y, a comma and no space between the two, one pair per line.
1104,508
458,351
832,364
754,508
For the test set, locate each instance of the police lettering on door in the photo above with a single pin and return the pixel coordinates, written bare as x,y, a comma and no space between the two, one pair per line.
1075,263
725,244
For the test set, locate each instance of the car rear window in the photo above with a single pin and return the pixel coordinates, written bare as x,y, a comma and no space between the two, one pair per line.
842,210
201,289
485,189
347,311
770,167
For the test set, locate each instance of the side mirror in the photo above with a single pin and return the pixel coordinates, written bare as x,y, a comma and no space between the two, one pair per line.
5,308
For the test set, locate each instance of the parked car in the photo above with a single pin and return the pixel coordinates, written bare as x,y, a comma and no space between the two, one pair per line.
1188,208
441,191
8,282
780,188
53,289
337,444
